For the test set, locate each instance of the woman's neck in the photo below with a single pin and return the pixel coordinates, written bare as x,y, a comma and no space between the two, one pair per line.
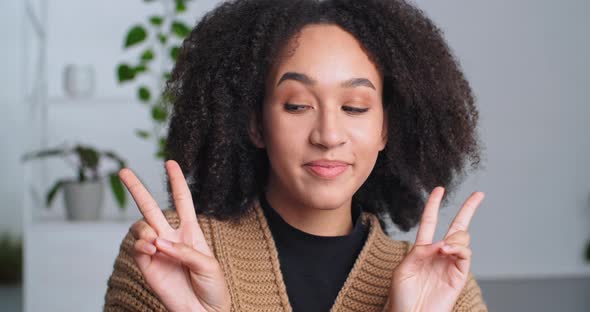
321,222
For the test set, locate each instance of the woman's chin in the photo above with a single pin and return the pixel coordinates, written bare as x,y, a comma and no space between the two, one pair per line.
326,200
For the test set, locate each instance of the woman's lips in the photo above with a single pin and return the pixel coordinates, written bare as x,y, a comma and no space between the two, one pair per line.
327,171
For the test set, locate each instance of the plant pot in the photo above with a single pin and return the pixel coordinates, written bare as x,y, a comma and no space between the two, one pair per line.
83,200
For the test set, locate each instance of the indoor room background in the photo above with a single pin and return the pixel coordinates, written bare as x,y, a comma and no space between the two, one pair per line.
61,82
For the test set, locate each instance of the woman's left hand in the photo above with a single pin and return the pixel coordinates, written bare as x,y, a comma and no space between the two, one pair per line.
431,277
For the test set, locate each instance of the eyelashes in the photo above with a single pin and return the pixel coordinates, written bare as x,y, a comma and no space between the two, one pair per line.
356,110
298,108
294,107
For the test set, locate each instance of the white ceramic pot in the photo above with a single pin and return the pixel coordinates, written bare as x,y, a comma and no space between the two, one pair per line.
79,80
83,200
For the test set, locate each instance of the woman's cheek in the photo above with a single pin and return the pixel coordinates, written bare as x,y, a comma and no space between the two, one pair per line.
287,137
368,134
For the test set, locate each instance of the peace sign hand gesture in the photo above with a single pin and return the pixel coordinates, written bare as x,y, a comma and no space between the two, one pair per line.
180,268
432,275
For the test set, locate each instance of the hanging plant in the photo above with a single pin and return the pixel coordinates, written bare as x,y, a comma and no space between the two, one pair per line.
159,39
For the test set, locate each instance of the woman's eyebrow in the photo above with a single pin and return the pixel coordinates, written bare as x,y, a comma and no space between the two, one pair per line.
306,80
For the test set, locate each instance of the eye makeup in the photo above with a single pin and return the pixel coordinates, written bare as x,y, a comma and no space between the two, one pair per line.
290,107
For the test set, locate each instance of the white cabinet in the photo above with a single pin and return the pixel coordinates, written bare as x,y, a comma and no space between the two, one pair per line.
67,265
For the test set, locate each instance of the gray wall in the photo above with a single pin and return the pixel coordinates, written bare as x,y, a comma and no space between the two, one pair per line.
527,63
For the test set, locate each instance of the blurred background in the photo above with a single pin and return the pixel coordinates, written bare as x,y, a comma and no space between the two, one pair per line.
80,85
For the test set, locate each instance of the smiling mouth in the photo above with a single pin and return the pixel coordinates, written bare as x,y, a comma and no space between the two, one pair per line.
326,171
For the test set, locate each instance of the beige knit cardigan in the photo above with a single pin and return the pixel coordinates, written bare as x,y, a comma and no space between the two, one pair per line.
249,260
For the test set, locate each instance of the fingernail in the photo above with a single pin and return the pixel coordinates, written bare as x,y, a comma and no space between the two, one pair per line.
149,248
447,247
164,243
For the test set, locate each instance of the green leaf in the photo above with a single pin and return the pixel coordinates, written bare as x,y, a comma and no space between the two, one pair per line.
180,29
588,252
142,134
125,73
167,76
118,190
147,55
156,20
180,6
52,192
174,52
159,113
136,35
11,258
161,153
88,156
162,38
144,93
140,69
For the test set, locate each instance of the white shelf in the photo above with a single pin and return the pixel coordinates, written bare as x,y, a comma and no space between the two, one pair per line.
81,226
89,101
62,223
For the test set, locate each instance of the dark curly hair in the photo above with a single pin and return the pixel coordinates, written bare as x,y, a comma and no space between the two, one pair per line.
218,84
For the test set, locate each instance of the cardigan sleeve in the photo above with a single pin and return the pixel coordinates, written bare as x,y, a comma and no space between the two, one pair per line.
127,290
470,299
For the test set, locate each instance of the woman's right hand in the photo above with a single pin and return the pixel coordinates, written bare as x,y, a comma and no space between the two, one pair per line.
183,272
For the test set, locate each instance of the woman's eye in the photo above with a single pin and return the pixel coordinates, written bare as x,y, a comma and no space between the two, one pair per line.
354,110
296,108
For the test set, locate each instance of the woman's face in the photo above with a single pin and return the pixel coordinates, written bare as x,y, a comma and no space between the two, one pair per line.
323,120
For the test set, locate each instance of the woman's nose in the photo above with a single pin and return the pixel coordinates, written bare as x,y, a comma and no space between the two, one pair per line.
328,131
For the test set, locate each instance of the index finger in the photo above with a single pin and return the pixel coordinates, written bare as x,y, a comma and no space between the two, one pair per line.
145,202
463,218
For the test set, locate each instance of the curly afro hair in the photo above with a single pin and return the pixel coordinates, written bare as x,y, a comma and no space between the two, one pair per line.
218,83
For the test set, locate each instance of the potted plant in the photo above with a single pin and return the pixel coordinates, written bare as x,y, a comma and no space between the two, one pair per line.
11,260
84,194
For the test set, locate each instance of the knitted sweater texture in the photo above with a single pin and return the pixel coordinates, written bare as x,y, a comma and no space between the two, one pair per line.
249,259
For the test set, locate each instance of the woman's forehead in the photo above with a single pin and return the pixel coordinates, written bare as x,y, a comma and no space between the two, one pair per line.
325,54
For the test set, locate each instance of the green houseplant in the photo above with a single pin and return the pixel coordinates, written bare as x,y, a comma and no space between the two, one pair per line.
84,193
11,259
158,41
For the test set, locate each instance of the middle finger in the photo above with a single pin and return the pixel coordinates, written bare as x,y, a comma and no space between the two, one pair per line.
181,194
429,217
464,216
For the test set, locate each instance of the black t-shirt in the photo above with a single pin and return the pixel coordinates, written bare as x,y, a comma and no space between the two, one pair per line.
314,267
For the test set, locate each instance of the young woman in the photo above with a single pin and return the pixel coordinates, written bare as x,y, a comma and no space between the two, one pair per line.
300,127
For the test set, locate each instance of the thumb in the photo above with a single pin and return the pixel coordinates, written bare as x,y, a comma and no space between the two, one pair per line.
416,259
196,261
425,251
